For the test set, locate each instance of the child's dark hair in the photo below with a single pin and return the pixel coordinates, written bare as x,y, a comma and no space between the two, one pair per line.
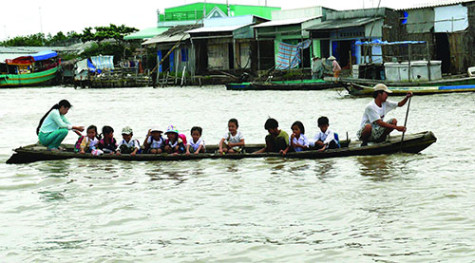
323,121
300,125
61,103
107,129
235,121
93,127
196,128
271,123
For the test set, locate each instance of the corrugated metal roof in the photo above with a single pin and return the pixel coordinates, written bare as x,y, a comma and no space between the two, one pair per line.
343,23
286,22
167,39
435,3
146,33
216,29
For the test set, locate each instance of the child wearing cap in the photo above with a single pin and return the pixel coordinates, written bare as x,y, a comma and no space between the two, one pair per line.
175,142
128,145
154,142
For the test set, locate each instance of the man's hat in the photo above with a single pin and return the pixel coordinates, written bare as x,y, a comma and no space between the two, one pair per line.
382,87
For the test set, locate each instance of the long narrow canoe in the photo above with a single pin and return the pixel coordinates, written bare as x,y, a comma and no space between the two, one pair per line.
361,90
455,81
414,143
29,79
306,84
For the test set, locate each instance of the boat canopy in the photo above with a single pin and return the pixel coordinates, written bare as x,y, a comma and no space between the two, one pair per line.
29,59
44,55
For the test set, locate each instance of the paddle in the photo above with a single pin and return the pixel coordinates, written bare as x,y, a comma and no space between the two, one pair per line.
405,121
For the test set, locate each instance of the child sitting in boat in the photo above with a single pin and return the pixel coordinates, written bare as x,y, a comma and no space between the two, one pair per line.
277,140
175,142
325,139
298,141
107,143
233,140
88,143
196,144
128,145
154,142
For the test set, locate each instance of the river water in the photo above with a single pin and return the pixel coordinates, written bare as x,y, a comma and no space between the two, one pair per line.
396,208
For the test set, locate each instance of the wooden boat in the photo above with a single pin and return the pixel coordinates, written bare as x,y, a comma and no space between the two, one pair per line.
456,81
307,84
362,90
36,69
414,143
28,79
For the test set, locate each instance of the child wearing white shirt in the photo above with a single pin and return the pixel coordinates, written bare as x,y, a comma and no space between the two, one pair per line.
196,144
232,141
325,139
298,141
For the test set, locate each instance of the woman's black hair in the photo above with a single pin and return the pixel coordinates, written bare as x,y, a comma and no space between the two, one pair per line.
300,125
196,128
61,103
235,121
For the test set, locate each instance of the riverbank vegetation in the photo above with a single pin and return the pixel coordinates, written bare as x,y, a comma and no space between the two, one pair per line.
106,40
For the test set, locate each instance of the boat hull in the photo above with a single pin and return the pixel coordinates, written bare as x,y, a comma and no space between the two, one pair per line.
30,79
285,85
360,90
414,143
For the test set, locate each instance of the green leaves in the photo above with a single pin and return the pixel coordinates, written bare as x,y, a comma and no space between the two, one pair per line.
98,33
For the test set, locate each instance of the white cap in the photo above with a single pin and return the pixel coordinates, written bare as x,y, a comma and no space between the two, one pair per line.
156,129
382,87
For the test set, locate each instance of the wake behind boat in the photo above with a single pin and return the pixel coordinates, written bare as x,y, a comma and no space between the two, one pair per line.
413,143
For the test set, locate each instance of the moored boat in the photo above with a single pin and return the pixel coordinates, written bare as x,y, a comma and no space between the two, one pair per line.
307,84
36,69
363,90
413,143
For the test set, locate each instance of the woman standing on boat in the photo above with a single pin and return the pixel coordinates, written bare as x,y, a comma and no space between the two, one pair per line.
54,126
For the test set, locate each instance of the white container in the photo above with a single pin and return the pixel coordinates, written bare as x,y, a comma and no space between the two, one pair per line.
435,69
419,70
404,71
355,70
391,70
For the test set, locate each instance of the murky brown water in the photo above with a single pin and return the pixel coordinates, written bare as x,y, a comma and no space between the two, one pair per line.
397,208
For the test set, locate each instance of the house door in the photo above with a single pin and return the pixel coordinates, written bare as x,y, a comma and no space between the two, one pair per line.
442,50
342,50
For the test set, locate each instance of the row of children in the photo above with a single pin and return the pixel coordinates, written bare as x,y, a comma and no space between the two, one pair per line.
231,142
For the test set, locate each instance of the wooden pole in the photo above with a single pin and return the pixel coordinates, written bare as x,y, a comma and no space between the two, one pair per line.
409,62
405,121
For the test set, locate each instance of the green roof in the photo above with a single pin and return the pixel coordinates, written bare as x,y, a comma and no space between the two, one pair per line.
146,33
195,11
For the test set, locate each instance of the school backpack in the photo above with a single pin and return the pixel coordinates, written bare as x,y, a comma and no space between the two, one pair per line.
77,145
